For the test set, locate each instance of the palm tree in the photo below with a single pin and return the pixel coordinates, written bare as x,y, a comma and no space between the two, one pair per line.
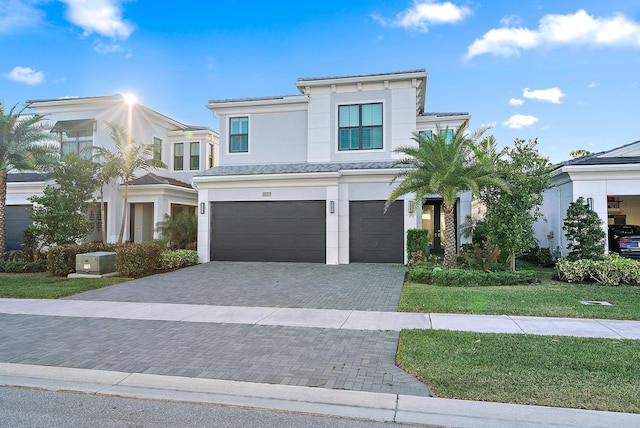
22,147
128,158
446,167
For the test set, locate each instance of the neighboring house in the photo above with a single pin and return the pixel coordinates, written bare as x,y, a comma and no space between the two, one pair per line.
305,177
609,181
77,123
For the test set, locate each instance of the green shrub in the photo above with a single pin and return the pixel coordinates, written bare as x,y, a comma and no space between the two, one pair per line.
539,255
428,274
417,240
137,260
14,266
610,270
61,259
178,259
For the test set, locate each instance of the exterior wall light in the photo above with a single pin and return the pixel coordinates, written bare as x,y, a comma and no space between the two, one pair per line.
590,203
332,207
201,207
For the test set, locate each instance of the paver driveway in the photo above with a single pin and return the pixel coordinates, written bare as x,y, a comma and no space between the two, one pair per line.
362,360
365,287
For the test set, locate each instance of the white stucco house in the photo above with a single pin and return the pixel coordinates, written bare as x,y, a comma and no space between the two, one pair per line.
609,181
76,123
305,177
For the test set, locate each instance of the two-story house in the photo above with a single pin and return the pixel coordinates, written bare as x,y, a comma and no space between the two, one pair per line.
305,177
76,123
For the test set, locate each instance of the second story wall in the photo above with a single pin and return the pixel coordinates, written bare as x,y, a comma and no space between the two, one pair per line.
262,131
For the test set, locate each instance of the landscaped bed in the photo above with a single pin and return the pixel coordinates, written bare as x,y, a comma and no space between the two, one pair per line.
598,374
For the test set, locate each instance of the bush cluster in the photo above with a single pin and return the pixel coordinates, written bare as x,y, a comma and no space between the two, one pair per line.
177,259
610,270
417,240
428,273
539,255
136,260
61,259
13,266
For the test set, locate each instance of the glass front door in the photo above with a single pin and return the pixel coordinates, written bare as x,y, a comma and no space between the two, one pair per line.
433,221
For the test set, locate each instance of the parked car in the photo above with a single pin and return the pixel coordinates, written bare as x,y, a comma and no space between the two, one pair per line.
625,239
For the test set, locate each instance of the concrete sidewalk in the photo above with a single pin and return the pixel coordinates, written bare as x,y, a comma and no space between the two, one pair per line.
323,318
393,408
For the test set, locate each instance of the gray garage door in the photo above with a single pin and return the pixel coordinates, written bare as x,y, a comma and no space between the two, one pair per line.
17,221
274,231
375,236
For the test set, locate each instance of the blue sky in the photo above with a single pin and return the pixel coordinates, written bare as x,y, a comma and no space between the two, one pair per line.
565,72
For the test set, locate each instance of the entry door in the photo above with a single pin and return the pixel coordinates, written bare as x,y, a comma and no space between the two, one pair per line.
433,221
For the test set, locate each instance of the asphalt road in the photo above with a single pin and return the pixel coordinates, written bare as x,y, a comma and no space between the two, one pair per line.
21,407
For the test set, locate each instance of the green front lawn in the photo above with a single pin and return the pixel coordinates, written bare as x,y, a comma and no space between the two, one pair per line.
599,374
550,298
43,286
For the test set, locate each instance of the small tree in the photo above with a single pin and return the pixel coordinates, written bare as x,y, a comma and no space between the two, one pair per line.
583,229
512,213
128,158
59,215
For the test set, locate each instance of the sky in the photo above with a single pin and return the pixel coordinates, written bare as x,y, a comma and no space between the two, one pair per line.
565,72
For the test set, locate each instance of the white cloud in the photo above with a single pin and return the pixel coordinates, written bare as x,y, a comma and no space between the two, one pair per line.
518,121
516,101
593,85
103,17
26,75
106,48
18,14
424,13
551,95
579,28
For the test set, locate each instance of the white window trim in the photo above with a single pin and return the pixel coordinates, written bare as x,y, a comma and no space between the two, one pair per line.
173,156
162,145
228,135
336,137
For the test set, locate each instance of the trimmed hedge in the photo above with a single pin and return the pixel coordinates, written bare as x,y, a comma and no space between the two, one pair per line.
61,259
177,259
136,260
417,240
610,270
428,274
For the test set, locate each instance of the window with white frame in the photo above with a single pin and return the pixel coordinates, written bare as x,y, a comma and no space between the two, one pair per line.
178,156
429,134
360,127
157,148
239,134
194,156
210,156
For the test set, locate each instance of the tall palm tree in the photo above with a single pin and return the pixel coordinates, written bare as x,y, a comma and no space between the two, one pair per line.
128,158
22,147
443,166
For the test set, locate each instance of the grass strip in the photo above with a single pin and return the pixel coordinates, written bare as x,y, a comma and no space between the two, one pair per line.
557,371
548,299
43,286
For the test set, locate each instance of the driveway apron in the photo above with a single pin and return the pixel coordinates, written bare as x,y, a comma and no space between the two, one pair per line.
314,357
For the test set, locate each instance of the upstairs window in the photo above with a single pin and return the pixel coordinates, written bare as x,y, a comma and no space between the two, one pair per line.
178,156
210,157
238,135
75,136
360,127
157,148
428,134
194,156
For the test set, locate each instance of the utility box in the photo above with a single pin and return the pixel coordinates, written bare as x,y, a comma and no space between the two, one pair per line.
97,263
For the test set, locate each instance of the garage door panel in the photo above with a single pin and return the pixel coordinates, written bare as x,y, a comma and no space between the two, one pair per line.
376,236
17,220
269,231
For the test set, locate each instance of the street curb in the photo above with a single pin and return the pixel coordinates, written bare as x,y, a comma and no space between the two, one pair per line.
352,404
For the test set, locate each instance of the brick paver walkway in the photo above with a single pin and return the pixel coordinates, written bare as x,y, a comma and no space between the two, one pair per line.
316,357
